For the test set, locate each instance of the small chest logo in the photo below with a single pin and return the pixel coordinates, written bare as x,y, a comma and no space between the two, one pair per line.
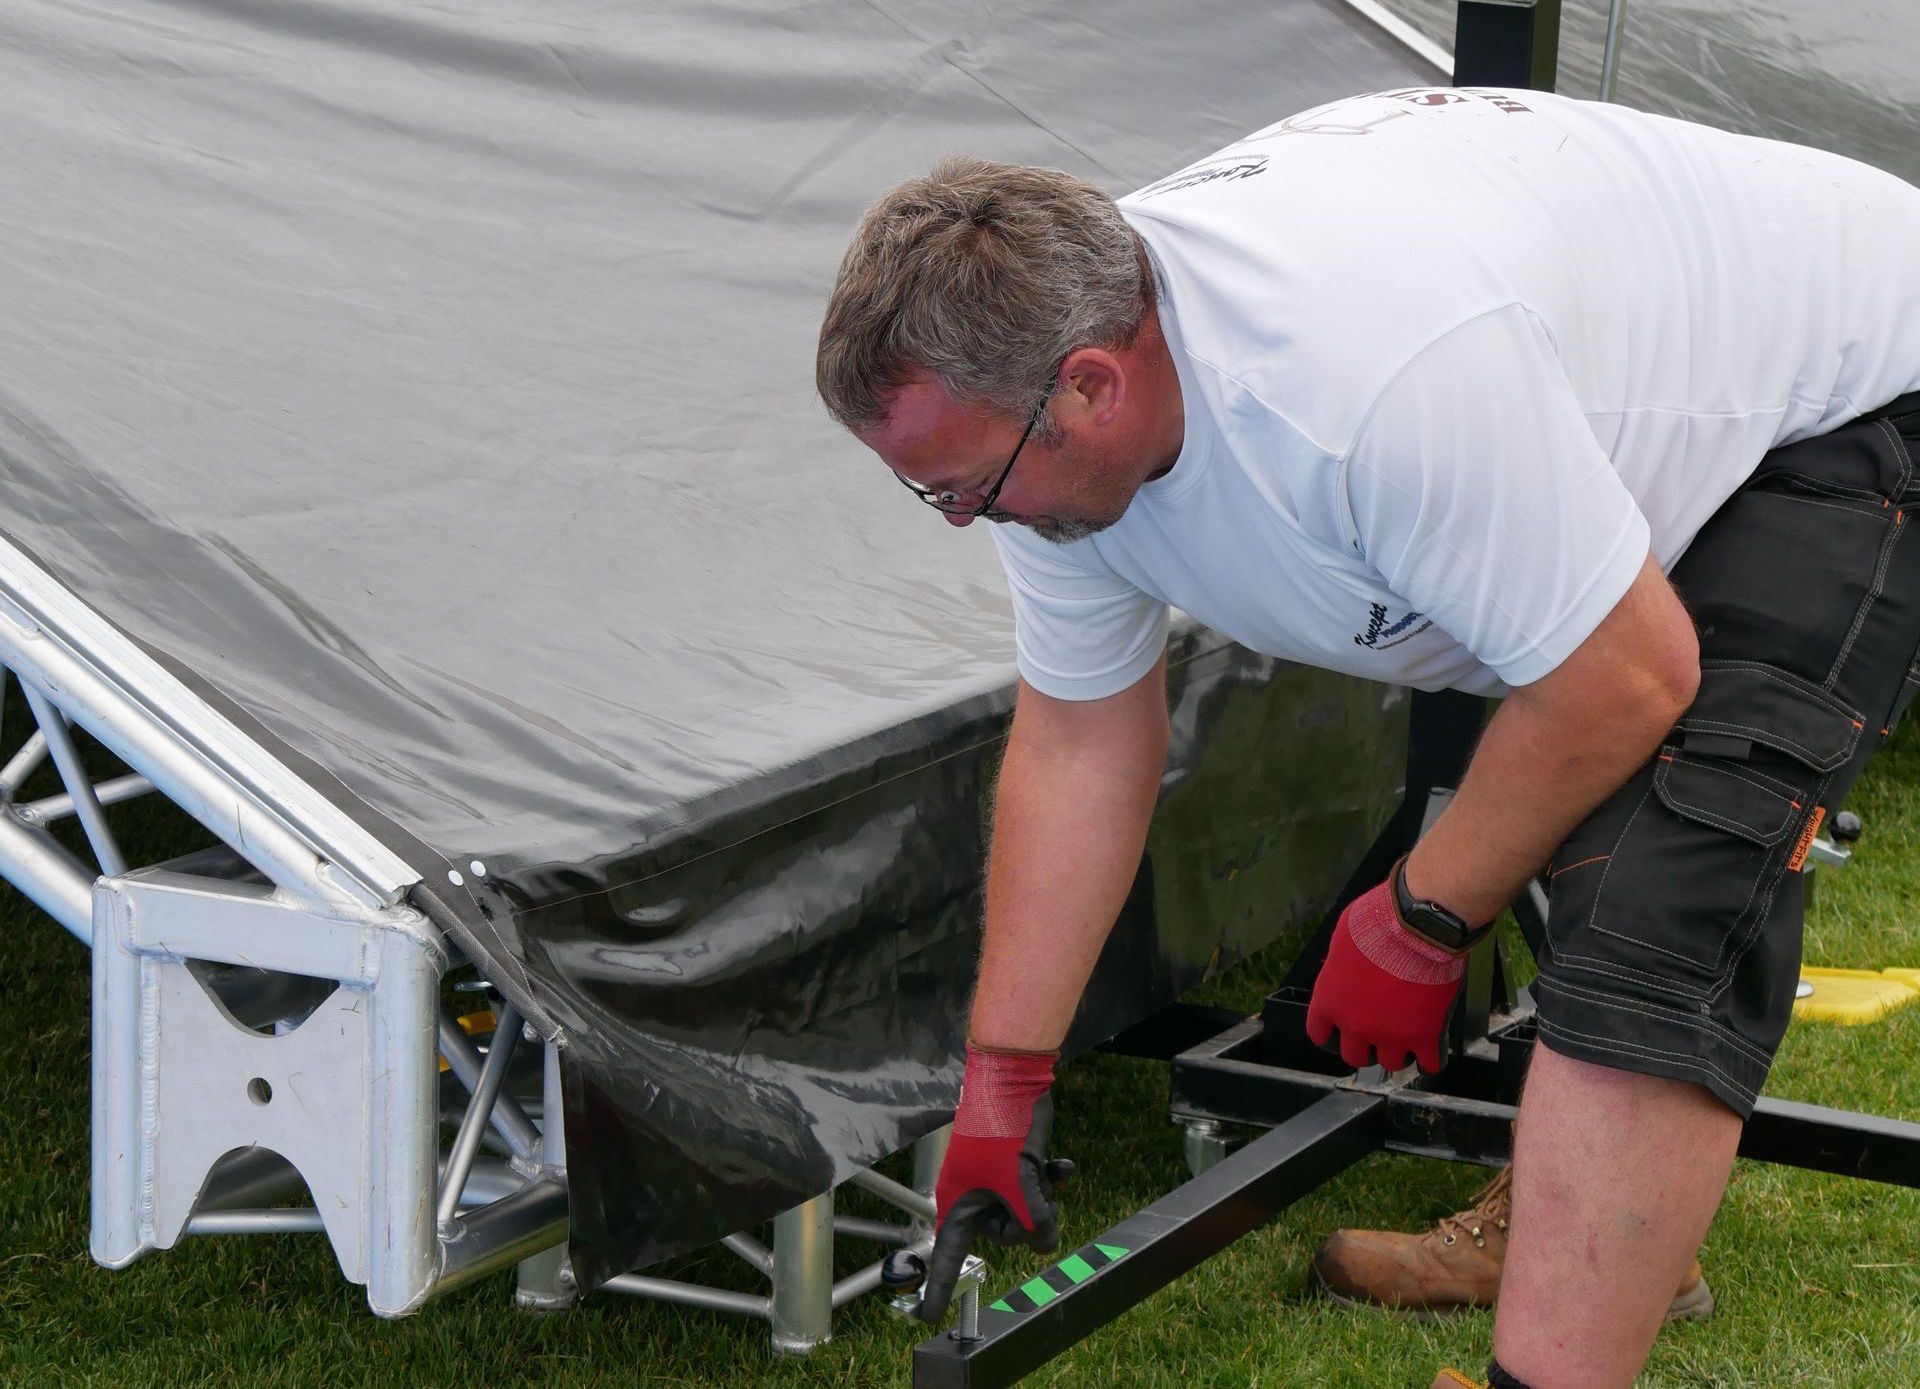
1381,634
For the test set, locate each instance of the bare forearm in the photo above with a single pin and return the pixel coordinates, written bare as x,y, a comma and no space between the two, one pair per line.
1536,775
1070,821
1559,747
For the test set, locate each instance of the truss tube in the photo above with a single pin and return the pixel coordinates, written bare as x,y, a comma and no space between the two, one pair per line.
802,1311
1610,55
53,879
22,764
691,1295
752,1251
510,1121
857,1227
144,714
115,1237
298,1220
892,1192
929,1152
112,792
79,786
473,1123
545,1281
502,1233
403,1114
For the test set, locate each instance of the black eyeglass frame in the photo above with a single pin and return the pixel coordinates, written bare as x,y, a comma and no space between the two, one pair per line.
943,499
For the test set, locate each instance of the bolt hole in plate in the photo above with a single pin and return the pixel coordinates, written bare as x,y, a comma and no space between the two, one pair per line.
259,1091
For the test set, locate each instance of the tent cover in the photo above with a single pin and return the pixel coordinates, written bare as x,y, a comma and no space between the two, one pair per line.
431,386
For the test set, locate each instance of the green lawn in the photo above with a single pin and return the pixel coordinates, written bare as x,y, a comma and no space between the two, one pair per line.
1818,1278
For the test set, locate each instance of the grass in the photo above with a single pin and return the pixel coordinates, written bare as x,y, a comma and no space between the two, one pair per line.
1818,1278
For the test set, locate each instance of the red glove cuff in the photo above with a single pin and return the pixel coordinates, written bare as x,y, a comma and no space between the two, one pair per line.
998,1092
1380,935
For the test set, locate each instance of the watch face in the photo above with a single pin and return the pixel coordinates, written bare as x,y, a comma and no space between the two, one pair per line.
1441,927
1429,920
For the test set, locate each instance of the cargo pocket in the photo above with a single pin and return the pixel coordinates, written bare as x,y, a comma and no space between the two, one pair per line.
1732,796
1904,700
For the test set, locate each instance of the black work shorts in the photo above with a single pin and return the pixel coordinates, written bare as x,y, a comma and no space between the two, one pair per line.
1673,938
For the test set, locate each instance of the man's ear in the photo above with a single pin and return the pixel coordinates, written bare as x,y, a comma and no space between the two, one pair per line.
1096,382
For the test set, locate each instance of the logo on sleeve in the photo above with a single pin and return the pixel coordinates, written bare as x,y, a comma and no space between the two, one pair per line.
1208,171
1381,634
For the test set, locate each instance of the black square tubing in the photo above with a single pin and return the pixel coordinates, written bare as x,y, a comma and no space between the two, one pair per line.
1031,1324
1319,1124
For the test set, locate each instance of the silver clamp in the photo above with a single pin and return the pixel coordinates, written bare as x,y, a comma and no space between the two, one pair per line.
905,1273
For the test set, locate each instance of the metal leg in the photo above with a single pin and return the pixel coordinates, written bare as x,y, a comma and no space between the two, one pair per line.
803,1276
928,1154
545,1282
1204,1144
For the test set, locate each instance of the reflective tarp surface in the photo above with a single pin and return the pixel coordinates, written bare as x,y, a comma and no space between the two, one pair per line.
432,386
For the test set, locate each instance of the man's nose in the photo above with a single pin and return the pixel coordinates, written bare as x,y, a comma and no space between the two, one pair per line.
958,518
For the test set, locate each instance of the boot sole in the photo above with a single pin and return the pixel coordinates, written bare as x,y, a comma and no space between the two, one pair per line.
1696,1304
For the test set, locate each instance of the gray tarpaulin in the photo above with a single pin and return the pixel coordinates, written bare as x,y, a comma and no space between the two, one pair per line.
431,384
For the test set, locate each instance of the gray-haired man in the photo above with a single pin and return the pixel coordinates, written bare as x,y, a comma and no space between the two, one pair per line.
1597,412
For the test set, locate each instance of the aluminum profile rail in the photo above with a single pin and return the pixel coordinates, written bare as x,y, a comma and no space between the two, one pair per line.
100,679
1403,33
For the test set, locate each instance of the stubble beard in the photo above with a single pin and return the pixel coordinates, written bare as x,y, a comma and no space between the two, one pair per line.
1064,532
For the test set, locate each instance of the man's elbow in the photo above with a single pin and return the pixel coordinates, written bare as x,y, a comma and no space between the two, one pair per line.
1672,677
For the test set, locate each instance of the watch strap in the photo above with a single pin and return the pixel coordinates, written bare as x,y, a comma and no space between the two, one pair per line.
1453,935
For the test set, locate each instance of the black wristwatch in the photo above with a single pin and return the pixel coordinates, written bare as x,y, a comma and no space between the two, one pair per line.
1432,922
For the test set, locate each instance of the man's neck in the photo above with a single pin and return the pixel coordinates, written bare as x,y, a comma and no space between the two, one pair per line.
1169,409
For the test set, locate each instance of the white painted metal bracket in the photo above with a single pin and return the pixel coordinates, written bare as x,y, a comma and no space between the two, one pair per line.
348,1097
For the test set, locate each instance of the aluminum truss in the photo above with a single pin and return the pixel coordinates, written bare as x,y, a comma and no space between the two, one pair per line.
267,1015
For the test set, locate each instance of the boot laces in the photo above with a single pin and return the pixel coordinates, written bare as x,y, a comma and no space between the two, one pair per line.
1492,1205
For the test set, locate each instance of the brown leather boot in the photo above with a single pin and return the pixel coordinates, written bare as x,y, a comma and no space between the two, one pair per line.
1454,1265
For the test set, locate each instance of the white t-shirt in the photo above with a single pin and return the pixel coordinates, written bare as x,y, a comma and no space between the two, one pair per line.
1452,361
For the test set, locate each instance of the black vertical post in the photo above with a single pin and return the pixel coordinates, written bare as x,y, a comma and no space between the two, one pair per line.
1507,43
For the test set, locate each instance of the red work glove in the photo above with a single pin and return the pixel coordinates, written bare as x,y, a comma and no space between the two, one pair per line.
996,1180
1383,988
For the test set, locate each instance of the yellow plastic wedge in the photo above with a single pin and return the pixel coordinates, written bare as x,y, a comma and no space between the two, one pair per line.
1853,996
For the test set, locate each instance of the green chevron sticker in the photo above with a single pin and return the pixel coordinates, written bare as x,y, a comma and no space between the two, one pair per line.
1071,1271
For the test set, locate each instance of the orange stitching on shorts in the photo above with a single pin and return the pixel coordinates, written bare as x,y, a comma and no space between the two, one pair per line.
1597,858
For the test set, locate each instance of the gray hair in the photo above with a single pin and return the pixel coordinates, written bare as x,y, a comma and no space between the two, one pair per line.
986,275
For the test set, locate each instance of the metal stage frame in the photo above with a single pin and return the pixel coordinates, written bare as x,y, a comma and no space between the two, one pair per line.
1320,1120
268,1015
272,1014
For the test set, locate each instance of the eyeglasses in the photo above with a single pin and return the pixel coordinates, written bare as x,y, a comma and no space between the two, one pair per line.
948,501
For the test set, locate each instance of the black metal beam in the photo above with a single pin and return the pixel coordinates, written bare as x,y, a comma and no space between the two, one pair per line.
1176,1028
1320,1120
1464,1115
1506,43
1174,1234
1867,1146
